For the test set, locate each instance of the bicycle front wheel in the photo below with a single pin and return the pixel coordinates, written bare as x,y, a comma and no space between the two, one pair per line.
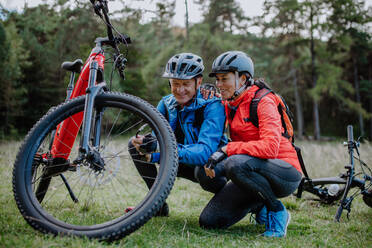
89,197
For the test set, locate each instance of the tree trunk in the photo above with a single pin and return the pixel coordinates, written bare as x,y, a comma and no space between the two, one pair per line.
370,101
299,112
357,93
187,20
370,110
314,79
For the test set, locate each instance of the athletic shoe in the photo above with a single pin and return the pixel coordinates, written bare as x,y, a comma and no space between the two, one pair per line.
277,223
261,216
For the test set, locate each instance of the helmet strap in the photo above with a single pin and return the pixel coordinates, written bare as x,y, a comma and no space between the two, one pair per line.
239,90
236,80
251,81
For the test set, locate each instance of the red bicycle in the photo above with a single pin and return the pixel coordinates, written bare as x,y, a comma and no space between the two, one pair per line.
73,174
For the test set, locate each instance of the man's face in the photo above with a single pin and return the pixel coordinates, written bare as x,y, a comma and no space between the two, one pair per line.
184,89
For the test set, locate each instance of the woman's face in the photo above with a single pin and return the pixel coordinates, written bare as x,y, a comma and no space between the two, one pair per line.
226,83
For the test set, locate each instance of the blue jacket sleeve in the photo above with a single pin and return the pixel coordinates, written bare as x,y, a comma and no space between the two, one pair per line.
210,136
161,107
155,157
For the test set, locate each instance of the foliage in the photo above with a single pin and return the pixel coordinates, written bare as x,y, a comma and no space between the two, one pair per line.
38,39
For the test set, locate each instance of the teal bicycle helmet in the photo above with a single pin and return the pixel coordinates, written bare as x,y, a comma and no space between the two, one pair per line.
184,66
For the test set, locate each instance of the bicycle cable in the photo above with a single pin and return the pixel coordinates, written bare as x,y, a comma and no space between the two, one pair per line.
120,34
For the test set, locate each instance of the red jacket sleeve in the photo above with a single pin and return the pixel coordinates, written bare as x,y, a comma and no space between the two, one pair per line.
267,145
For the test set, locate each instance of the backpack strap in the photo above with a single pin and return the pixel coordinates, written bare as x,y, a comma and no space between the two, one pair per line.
199,117
300,159
258,95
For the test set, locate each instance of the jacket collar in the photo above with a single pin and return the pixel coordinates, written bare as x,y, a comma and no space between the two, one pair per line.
246,95
196,103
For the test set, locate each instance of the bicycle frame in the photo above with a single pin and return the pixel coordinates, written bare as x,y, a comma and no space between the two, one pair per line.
349,180
90,82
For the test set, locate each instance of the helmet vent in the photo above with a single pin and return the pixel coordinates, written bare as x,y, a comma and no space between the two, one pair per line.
192,68
183,65
199,71
189,57
231,59
173,67
199,60
224,56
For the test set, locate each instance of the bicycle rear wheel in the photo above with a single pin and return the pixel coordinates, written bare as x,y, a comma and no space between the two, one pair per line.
93,201
321,188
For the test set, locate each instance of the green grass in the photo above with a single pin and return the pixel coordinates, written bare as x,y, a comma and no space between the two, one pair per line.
311,226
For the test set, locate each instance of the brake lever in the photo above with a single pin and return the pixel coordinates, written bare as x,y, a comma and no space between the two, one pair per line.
120,65
125,39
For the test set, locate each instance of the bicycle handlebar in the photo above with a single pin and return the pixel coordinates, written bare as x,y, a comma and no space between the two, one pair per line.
101,7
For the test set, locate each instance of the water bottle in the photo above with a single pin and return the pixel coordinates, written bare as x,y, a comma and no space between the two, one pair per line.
333,189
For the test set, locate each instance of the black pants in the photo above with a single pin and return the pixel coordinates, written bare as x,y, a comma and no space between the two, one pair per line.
196,174
254,182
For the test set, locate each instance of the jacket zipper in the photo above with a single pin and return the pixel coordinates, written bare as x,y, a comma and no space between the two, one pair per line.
194,134
184,132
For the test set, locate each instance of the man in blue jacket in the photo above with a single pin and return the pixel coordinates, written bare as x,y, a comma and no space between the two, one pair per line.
198,125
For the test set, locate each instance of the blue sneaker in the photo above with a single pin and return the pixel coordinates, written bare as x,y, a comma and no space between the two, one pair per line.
261,216
277,223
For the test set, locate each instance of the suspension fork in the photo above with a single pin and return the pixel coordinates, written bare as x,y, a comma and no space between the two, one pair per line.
91,93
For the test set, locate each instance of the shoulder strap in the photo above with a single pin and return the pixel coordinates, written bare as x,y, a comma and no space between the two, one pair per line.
300,159
199,117
259,94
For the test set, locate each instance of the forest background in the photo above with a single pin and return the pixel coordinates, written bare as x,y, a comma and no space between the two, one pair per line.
315,53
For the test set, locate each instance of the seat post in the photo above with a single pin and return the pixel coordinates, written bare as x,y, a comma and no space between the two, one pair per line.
70,86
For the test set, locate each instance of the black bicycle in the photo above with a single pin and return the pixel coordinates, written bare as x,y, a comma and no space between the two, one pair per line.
332,189
73,174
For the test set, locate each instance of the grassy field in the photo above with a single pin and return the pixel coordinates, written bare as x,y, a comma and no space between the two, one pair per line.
311,226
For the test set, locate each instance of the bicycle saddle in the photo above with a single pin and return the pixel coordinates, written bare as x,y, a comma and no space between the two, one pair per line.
73,66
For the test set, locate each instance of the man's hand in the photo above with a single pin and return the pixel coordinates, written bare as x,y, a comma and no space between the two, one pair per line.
209,91
213,160
137,141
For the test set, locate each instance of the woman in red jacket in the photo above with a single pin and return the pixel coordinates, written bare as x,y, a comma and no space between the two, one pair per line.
261,163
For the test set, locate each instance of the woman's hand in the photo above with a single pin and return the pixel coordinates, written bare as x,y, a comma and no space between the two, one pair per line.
209,172
213,160
209,91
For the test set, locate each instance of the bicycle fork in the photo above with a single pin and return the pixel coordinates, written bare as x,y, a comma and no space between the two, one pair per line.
86,151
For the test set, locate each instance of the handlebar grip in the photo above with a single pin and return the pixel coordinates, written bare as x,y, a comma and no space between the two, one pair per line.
350,135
